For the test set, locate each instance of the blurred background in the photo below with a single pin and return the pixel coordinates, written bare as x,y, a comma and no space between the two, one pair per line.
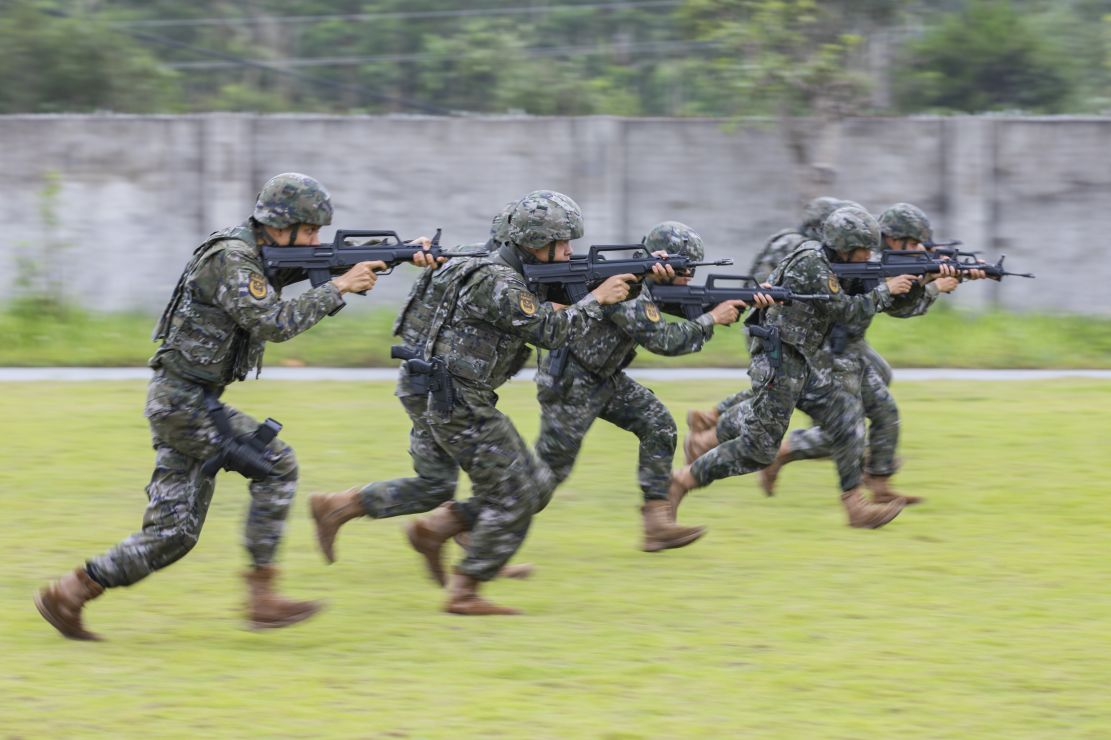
131,129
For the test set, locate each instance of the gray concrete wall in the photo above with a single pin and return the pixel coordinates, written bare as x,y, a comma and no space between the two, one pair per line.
138,193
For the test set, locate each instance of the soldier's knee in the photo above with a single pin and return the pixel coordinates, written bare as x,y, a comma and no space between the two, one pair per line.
285,464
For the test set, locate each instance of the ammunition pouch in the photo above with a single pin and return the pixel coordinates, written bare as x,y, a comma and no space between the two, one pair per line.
770,343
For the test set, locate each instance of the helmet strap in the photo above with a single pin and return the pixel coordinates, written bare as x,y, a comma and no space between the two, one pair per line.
551,251
293,235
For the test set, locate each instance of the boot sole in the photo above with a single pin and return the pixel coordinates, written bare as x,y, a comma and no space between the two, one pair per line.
84,635
674,544
260,626
327,548
694,425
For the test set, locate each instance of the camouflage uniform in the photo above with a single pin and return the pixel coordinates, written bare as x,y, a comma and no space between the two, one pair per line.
593,384
480,330
784,242
859,368
778,246
437,473
749,433
213,332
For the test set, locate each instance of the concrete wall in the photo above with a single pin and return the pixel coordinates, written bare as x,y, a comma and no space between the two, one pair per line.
138,193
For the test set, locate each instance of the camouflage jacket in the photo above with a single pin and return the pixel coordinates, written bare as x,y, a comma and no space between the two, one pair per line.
608,346
487,316
224,310
779,245
805,326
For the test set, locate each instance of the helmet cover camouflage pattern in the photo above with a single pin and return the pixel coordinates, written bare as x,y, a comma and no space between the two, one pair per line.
543,217
816,213
906,221
292,198
850,228
675,238
499,228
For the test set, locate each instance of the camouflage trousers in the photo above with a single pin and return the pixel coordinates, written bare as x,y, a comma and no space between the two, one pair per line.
437,472
857,371
179,494
749,433
567,414
507,479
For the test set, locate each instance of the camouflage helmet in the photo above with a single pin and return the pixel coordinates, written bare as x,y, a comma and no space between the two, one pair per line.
817,211
499,227
850,228
906,221
543,217
675,238
292,198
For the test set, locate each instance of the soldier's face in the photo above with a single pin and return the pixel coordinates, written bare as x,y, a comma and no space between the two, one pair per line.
907,243
560,253
308,235
860,255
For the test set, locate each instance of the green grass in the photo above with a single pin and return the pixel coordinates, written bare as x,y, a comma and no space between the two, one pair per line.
981,613
944,338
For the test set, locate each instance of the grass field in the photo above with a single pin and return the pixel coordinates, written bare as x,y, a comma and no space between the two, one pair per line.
981,613
361,338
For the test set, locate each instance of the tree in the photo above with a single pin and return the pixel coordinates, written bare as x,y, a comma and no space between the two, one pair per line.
796,60
984,58
53,63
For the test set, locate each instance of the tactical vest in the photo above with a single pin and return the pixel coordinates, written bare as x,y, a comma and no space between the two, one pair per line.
802,324
603,349
200,340
473,351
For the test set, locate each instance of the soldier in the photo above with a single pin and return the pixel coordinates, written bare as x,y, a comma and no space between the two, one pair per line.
213,332
437,472
479,335
590,383
790,369
858,366
779,245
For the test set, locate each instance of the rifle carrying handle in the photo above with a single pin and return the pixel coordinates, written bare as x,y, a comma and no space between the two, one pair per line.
712,280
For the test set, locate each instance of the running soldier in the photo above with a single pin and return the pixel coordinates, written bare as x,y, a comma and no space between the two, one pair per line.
213,332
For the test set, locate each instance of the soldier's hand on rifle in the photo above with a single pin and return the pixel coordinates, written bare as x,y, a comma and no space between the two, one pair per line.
976,274
727,312
763,300
663,273
360,277
615,289
901,284
947,284
420,259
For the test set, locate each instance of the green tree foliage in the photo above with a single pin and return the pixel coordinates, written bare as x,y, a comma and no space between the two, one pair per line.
988,57
51,63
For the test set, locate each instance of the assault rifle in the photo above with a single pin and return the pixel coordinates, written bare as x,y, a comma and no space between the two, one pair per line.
582,274
321,262
695,300
894,262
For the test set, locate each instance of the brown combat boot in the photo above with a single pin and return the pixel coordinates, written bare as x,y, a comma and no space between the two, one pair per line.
882,493
701,421
698,444
864,514
267,609
463,598
661,532
60,603
330,511
768,475
676,492
518,572
428,534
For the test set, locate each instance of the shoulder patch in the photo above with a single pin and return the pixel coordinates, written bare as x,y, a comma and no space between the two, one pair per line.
257,286
651,311
527,303
834,284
